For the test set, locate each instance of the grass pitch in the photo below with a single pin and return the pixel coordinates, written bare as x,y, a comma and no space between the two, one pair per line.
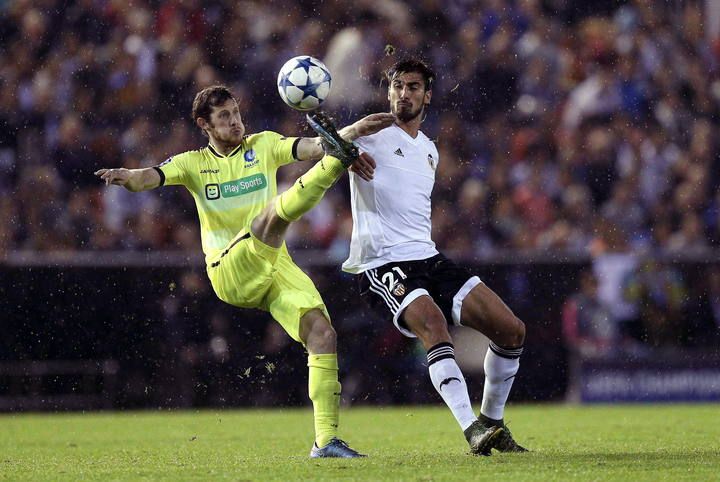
638,442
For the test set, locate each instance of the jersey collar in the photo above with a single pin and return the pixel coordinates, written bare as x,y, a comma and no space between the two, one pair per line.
234,151
407,136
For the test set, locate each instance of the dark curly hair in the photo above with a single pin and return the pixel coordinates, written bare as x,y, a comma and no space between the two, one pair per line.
411,64
208,98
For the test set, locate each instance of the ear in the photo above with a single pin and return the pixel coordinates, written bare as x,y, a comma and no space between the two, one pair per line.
201,123
428,95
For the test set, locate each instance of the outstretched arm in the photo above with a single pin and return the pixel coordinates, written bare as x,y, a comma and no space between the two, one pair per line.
131,179
310,148
367,126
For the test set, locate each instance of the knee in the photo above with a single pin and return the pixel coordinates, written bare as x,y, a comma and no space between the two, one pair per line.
432,330
509,334
321,337
426,321
516,333
327,334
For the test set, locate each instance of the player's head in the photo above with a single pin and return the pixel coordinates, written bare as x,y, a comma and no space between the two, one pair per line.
215,110
409,88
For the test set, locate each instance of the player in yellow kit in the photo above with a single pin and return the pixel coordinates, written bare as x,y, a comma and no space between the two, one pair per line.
243,224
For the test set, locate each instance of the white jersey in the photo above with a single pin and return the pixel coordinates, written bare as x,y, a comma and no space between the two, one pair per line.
391,213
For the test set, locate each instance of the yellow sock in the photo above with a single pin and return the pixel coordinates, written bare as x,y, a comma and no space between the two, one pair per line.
309,189
324,389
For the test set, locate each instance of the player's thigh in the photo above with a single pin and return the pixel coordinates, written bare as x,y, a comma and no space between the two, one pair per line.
391,288
486,312
425,319
291,295
471,303
243,273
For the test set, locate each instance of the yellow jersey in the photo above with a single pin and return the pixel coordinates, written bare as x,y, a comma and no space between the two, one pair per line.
230,191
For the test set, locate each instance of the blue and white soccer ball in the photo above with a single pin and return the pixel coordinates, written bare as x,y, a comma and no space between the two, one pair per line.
304,82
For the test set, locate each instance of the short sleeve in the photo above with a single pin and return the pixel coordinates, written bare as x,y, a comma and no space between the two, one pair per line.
173,170
284,149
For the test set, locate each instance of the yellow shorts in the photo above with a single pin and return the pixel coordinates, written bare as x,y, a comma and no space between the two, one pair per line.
251,274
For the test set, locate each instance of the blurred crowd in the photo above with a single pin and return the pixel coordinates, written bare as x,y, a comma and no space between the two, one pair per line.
641,307
570,128
574,127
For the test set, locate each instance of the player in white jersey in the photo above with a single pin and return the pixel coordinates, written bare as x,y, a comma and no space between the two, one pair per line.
402,273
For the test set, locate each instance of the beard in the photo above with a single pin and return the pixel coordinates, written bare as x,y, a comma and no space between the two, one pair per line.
406,114
229,137
233,138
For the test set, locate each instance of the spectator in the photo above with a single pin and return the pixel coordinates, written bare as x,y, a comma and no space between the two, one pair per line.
589,329
660,293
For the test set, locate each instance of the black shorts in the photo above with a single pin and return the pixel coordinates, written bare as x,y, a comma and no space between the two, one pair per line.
390,288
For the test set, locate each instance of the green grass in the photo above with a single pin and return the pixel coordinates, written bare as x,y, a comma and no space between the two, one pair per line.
640,442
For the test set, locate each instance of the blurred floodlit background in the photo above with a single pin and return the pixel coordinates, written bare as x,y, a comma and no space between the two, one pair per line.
579,176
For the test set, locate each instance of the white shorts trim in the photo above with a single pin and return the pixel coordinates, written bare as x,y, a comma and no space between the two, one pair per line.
460,296
412,296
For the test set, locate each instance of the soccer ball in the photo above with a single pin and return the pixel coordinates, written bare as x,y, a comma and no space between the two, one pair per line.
304,82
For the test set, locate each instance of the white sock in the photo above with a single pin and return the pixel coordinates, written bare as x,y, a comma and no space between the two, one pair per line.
501,365
449,382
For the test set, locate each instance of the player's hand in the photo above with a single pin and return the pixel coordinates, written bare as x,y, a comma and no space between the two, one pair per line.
364,166
373,123
119,176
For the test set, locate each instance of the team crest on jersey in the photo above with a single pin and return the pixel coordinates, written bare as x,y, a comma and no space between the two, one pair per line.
250,158
399,289
432,162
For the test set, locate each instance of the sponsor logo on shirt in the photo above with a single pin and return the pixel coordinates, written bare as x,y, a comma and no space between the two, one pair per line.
212,191
238,187
209,171
250,158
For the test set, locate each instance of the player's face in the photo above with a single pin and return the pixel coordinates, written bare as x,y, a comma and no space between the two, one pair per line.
226,126
408,96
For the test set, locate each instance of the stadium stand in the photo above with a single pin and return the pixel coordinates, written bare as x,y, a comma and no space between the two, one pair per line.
572,133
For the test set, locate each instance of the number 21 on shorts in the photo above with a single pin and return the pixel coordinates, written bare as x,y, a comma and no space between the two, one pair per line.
389,280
